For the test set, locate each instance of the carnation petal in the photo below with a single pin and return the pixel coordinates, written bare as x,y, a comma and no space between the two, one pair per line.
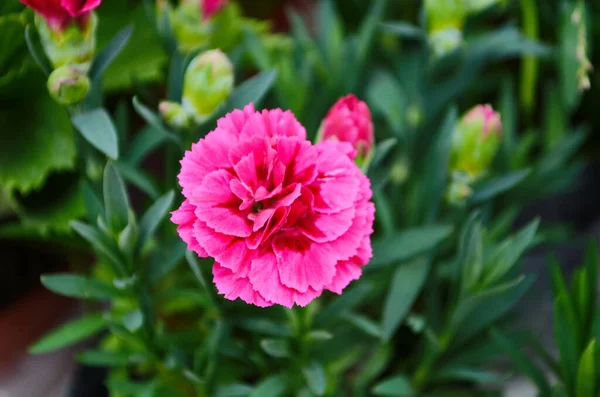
233,288
345,272
303,263
185,218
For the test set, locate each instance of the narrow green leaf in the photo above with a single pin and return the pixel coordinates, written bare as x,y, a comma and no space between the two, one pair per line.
100,358
193,263
147,140
154,216
98,129
404,29
367,30
497,186
522,362
471,254
153,120
591,269
586,374
139,179
567,339
364,324
319,335
315,378
99,241
69,334
36,51
76,286
105,57
275,347
507,255
397,386
342,304
406,244
93,204
265,326
116,200
468,374
474,313
234,390
381,151
251,91
165,259
406,285
273,386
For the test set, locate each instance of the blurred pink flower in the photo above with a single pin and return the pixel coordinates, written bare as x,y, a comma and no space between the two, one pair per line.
283,219
60,13
210,7
487,116
349,120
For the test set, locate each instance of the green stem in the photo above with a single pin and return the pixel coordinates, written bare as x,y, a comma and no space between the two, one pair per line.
529,71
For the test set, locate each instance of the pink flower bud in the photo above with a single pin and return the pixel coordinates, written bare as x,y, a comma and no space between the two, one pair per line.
349,120
61,13
489,119
210,7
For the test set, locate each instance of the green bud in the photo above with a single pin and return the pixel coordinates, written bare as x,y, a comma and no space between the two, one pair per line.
68,85
208,82
74,45
445,20
189,28
175,115
476,140
459,190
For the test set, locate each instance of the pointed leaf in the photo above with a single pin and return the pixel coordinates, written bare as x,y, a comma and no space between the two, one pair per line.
273,386
116,200
154,216
105,57
76,286
251,91
406,284
36,51
315,378
397,386
406,244
497,186
275,347
98,129
99,241
69,334
586,374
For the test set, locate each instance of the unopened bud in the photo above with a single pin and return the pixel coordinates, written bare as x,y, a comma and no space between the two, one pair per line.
73,45
207,84
175,115
475,141
445,20
349,120
68,85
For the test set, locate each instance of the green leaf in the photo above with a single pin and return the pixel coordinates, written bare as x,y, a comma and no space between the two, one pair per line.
98,129
100,242
387,96
99,358
315,378
273,386
470,255
474,313
139,178
397,386
319,335
36,51
331,36
404,29
93,204
522,362
133,320
116,201
251,91
69,334
275,347
143,58
154,121
154,216
265,326
193,263
147,140
406,284
45,142
81,287
586,375
364,324
382,149
497,186
234,390
468,374
367,30
108,54
165,258
567,338
591,270
406,244
505,257
568,59
342,304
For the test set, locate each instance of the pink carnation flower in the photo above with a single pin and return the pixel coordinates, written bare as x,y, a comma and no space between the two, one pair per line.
60,13
284,219
349,120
